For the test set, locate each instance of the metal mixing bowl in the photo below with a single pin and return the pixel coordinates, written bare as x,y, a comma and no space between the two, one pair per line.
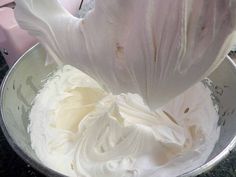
25,79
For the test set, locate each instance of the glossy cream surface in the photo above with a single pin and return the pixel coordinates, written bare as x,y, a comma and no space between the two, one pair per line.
79,129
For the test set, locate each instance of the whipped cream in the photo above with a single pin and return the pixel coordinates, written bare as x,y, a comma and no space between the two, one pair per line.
78,129
155,48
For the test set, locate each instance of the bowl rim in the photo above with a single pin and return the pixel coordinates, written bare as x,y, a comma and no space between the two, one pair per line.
48,171
36,165
223,154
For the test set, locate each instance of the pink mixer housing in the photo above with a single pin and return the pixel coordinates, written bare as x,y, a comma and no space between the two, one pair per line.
13,40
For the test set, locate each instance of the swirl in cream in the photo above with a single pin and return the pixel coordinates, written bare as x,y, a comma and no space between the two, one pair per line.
79,129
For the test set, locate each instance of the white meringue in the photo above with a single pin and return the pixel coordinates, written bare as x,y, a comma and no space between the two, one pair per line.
78,129
156,48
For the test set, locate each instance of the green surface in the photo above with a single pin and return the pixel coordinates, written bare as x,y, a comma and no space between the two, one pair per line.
227,168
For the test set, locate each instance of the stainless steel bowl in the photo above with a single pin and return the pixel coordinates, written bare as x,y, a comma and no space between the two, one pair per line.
26,77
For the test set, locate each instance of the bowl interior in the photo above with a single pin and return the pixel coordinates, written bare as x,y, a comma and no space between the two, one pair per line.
26,78
19,88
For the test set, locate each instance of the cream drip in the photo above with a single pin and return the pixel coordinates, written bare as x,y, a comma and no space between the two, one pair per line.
78,129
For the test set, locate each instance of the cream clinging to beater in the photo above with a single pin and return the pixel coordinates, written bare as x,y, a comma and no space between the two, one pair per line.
154,48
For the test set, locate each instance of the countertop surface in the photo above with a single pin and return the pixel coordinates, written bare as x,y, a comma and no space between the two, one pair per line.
11,164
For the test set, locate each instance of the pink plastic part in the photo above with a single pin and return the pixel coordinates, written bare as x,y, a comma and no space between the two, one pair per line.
4,2
13,40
